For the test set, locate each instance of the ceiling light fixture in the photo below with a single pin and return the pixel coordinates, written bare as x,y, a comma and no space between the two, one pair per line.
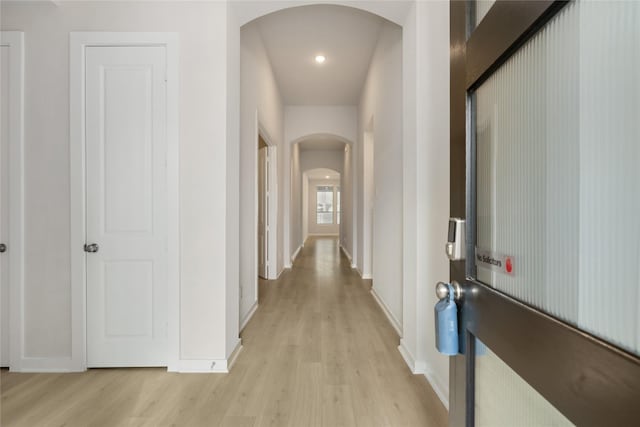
320,59
327,176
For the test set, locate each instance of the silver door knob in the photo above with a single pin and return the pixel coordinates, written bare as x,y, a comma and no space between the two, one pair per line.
93,247
3,248
442,290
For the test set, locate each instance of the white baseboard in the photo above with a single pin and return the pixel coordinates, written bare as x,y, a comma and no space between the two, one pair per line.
47,364
249,315
295,254
394,322
408,357
203,366
347,254
416,366
324,234
441,390
420,367
367,276
231,360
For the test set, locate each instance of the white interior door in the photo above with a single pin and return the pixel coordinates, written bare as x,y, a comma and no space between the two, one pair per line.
126,206
262,212
4,203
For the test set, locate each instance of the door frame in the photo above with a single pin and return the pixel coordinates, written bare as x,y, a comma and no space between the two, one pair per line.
15,242
272,212
78,42
572,379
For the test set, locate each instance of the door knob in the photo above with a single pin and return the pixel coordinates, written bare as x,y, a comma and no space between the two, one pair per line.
3,248
442,290
93,247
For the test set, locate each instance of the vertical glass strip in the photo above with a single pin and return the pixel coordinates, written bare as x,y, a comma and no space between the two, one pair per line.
504,399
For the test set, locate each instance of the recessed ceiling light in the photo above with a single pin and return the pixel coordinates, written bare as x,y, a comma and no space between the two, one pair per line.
327,176
320,59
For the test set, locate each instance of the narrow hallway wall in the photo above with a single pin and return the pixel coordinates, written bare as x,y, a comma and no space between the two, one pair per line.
382,100
259,95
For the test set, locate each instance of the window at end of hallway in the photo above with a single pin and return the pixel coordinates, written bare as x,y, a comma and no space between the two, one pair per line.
324,204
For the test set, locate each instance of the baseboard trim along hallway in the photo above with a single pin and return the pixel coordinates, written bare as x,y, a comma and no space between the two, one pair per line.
204,366
249,316
392,320
318,351
420,367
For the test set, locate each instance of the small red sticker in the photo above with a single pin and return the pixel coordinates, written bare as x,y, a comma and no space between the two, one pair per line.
509,266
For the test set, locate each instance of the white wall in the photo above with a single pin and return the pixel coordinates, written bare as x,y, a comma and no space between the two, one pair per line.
305,207
203,167
382,100
314,227
232,289
347,201
426,184
296,220
322,159
337,120
259,93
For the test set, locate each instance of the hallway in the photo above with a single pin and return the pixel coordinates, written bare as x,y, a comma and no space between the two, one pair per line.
318,352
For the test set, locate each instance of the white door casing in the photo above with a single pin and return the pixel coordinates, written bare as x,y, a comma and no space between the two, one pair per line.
262,211
126,201
124,197
11,195
272,212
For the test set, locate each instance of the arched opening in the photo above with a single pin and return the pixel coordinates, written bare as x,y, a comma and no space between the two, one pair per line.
315,114
389,92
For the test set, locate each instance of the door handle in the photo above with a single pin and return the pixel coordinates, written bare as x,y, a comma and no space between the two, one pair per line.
3,248
93,247
442,290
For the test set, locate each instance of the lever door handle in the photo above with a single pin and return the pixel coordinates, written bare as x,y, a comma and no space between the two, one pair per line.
93,247
3,248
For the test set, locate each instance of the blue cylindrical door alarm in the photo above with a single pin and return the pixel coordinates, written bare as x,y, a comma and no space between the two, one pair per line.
446,313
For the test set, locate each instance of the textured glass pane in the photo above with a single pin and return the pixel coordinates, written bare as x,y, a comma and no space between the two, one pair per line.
482,7
503,399
558,182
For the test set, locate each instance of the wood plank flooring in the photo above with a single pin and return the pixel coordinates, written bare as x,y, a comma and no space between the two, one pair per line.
318,352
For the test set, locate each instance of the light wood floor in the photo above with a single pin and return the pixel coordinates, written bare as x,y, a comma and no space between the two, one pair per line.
318,352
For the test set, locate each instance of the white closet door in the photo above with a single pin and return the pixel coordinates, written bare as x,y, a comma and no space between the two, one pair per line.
126,211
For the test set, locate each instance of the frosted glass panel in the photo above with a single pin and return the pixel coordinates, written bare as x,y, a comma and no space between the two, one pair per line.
482,7
558,181
503,399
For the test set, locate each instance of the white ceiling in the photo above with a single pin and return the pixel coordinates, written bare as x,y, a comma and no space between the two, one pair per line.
321,143
294,36
321,173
